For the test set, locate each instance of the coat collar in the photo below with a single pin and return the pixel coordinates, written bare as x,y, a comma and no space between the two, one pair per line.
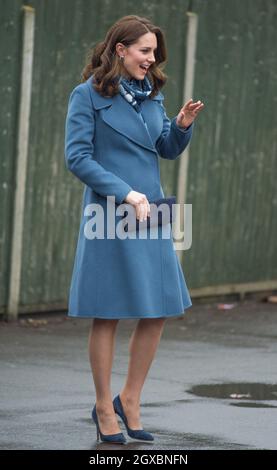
131,125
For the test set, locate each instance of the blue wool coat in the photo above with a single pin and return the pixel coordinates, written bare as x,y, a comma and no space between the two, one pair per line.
109,148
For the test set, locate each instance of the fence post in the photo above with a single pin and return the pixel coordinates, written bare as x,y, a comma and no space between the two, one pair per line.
21,161
191,41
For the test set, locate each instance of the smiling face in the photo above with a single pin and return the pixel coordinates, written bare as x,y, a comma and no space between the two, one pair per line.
140,54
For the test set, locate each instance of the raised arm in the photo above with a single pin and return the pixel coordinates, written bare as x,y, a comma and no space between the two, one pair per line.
173,139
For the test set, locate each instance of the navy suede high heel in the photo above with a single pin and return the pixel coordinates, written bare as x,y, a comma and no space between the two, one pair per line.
134,433
118,438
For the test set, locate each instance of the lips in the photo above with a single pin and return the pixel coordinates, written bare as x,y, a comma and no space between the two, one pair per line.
144,67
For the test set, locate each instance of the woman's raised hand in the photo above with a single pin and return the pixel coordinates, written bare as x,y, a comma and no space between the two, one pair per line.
189,112
140,203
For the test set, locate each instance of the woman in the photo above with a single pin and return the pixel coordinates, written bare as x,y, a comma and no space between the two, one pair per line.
116,130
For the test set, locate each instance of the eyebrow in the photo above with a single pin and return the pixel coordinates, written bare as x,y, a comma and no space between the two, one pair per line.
146,47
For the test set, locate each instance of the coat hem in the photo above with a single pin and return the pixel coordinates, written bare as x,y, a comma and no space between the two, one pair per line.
129,317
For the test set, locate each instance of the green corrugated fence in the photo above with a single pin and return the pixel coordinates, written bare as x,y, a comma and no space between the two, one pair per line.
232,162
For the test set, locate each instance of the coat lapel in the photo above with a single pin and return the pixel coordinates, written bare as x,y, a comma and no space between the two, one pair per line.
118,114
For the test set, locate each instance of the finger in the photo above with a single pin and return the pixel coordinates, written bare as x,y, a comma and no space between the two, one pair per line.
141,216
143,211
194,111
199,108
145,207
148,209
194,105
189,101
198,103
138,211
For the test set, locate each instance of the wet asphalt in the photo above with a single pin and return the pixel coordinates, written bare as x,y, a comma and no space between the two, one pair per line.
212,384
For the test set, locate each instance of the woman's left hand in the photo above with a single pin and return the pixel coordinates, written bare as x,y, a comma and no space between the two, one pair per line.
188,113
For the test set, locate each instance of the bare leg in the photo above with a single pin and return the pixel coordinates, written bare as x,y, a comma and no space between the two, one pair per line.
142,347
101,350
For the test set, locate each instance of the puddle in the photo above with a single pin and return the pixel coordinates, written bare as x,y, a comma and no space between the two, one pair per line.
253,404
238,391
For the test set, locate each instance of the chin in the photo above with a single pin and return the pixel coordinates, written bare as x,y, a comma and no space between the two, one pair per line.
140,76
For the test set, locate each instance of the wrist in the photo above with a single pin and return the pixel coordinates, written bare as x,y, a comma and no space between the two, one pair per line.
180,126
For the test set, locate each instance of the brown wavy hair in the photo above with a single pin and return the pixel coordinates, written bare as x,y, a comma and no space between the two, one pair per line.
105,64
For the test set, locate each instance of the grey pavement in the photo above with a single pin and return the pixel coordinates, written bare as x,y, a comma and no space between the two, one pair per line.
212,384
